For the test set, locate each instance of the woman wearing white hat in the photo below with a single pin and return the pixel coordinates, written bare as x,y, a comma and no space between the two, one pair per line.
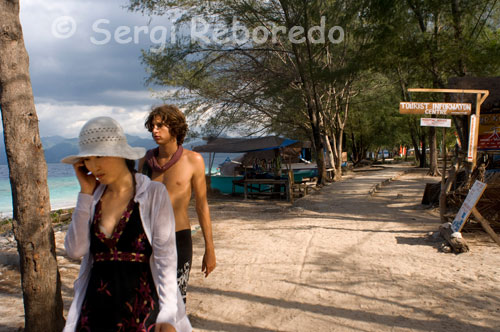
123,226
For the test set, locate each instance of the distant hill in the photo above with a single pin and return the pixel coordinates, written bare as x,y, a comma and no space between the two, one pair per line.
50,141
57,147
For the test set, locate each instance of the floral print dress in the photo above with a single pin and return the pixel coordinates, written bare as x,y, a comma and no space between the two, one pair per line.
121,295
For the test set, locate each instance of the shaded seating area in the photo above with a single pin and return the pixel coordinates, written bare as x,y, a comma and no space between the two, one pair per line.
288,186
265,187
270,166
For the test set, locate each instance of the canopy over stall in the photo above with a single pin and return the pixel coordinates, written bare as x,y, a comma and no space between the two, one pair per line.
255,148
261,165
236,145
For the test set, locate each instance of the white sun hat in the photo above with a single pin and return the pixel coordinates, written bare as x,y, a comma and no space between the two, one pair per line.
104,137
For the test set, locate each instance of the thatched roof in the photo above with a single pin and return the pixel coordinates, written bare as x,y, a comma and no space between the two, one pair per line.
491,104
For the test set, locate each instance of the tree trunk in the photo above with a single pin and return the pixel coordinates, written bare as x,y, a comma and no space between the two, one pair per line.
330,160
375,157
320,157
423,154
317,144
456,13
338,165
433,156
415,141
356,158
28,177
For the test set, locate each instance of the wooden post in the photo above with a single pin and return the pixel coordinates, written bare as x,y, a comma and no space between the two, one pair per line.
486,226
442,196
208,177
476,132
451,179
289,186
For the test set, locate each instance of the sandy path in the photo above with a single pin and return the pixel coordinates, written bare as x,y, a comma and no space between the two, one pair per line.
339,260
346,262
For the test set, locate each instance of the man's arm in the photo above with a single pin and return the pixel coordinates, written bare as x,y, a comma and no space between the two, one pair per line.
141,164
200,191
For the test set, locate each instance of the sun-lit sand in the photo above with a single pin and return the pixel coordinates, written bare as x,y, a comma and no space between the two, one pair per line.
337,260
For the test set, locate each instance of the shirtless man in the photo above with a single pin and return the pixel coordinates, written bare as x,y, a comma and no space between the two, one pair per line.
182,171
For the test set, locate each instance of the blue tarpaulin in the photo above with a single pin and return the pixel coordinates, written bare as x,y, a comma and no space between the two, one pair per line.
240,145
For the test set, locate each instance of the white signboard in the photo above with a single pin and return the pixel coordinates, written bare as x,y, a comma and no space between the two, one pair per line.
431,122
470,201
472,139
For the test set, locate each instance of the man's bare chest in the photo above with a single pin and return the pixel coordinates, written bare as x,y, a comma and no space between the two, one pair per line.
174,179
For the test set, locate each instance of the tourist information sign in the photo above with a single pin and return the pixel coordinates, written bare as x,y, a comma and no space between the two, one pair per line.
435,108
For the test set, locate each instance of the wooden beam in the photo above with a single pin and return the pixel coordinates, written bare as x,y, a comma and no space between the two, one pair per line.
486,92
486,225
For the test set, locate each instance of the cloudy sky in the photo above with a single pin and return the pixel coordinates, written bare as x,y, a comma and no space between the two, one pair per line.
85,62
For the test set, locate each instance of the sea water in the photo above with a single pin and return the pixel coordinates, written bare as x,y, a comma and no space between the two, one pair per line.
63,185
63,188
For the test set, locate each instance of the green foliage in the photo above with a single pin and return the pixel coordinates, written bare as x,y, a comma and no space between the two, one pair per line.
295,89
375,123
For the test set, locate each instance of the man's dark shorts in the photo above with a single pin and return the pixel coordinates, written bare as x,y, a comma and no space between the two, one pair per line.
184,259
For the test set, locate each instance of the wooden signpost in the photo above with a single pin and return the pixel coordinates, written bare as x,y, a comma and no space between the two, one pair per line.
450,109
479,187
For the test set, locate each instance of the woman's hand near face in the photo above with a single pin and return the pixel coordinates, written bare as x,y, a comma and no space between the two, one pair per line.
87,181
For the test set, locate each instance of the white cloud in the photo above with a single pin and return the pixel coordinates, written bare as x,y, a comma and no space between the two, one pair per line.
64,119
129,95
74,80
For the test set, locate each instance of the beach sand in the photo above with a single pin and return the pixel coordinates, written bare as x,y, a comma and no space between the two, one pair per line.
339,259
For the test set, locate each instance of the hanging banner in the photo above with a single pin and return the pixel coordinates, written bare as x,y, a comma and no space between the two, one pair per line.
472,139
435,108
489,132
432,122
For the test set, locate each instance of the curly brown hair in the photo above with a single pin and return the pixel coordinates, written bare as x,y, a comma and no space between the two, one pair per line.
172,117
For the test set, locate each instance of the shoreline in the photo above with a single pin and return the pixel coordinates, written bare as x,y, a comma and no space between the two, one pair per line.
58,216
5,215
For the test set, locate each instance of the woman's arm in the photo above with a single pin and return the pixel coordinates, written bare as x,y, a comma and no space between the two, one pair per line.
77,238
